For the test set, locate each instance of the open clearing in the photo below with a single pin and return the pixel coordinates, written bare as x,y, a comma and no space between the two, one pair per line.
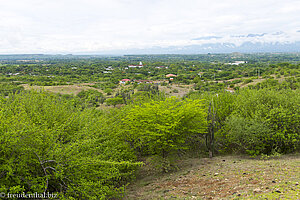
76,88
227,177
63,89
176,90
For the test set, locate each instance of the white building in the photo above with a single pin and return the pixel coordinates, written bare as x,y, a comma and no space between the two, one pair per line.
134,66
236,63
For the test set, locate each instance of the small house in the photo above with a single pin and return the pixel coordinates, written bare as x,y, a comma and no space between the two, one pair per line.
170,75
123,81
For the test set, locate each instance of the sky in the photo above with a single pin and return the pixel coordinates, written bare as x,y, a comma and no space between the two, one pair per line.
72,26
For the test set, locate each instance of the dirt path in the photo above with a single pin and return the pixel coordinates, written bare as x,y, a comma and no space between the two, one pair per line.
228,177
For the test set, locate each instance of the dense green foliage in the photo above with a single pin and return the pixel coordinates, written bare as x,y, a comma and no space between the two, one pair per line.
114,101
108,71
7,88
75,146
162,127
91,97
256,122
264,122
49,145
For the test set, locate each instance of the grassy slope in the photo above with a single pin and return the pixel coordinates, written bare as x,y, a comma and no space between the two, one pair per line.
230,177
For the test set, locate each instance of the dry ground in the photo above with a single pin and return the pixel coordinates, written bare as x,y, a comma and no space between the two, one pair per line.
230,177
254,82
63,89
76,88
182,89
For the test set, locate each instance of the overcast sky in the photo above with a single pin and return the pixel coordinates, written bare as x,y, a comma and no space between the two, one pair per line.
67,26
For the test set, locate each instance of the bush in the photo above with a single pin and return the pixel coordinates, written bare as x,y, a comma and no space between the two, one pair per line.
162,127
91,97
47,145
265,121
114,101
247,81
164,83
247,136
175,91
10,88
108,91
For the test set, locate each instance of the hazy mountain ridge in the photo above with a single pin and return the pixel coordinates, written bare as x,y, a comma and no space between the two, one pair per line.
226,47
246,47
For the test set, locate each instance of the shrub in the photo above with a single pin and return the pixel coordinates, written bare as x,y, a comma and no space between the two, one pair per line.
114,101
47,145
247,81
91,97
175,91
108,91
247,136
162,127
9,88
265,121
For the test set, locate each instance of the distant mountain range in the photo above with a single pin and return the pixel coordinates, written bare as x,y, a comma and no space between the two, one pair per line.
204,48
246,47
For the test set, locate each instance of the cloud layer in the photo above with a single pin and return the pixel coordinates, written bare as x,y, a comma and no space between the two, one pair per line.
66,26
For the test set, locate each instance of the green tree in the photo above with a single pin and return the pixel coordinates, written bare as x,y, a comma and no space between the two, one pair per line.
47,145
162,127
91,97
114,101
269,121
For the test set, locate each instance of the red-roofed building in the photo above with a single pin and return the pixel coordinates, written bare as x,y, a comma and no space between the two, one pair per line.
123,81
170,75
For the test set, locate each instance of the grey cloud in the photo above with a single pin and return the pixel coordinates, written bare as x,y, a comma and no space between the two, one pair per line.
250,35
256,35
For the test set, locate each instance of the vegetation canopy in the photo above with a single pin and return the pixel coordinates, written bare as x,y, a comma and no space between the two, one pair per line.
84,127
